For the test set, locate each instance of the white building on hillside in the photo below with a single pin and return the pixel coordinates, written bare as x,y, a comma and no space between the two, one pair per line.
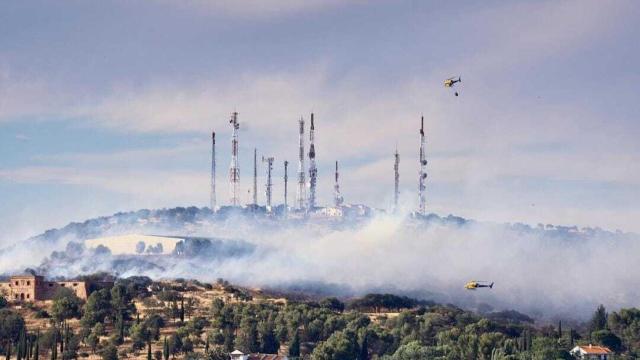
591,352
239,355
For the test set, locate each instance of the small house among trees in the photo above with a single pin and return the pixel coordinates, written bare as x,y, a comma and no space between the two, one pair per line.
591,352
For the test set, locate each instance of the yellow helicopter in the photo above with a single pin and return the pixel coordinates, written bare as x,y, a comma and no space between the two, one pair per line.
452,81
473,284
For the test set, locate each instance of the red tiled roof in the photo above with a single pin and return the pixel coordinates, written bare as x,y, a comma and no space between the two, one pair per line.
595,350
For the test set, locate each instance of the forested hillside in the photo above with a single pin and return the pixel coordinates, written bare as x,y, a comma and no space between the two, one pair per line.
189,319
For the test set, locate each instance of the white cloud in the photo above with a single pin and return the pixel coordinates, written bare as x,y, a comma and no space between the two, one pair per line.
258,8
157,188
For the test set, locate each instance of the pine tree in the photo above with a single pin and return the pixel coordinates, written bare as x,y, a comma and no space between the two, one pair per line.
294,347
364,348
149,350
29,348
54,345
36,350
174,309
181,311
599,319
571,337
19,346
559,329
165,349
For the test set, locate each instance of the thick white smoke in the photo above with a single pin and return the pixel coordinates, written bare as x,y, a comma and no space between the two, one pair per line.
544,272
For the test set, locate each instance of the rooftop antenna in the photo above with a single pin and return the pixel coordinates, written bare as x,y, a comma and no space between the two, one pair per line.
422,207
286,179
269,185
337,197
213,172
396,170
255,176
301,191
313,171
234,169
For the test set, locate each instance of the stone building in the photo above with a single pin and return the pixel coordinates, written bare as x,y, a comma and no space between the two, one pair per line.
28,287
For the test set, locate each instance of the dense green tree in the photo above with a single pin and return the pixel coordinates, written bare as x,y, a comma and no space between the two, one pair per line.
92,341
187,345
340,345
247,337
175,345
544,348
109,352
626,325
599,319
11,326
140,335
294,346
333,304
66,305
229,339
489,341
363,353
411,351
269,344
97,308
608,339
217,353
121,301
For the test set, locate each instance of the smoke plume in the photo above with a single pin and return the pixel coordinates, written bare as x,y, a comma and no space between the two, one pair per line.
544,270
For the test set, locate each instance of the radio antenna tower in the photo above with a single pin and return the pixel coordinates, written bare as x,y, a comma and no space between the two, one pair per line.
337,198
301,193
234,169
286,179
255,176
313,171
269,185
422,208
213,172
396,169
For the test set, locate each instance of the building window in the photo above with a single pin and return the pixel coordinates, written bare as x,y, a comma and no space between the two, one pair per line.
28,282
50,284
75,284
27,296
16,283
62,285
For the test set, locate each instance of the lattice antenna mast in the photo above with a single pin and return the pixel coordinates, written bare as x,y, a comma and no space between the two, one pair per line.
396,170
269,185
213,172
286,180
313,171
234,169
255,176
301,191
422,207
337,197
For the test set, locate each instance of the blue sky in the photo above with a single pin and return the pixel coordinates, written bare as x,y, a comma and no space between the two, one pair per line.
107,106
